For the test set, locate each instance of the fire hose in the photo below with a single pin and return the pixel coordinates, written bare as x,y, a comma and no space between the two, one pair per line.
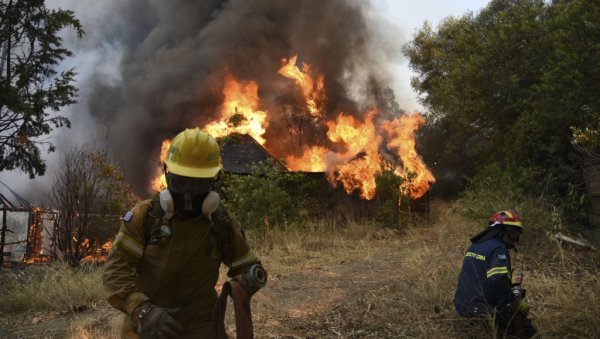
241,292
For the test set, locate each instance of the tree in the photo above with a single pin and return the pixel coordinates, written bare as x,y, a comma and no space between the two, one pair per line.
90,194
388,195
30,49
505,86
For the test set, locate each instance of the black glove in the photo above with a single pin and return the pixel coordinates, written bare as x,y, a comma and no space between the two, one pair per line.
155,322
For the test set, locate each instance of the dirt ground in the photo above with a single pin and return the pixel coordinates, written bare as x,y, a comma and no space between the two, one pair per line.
284,309
400,285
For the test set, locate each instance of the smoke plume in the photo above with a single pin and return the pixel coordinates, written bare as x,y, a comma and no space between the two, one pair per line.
173,57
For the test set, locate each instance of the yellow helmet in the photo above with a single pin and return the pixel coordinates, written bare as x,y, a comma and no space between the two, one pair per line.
194,153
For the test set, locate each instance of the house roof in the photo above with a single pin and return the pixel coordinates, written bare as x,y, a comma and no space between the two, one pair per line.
240,151
10,200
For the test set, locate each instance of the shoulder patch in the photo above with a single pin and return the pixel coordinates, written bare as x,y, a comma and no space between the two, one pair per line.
127,217
502,256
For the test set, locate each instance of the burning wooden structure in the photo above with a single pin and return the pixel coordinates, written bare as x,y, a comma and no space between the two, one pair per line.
239,152
27,233
350,146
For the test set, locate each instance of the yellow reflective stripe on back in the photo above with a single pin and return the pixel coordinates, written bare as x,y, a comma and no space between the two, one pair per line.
243,260
129,244
497,270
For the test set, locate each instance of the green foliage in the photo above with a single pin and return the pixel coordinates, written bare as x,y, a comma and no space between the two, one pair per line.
387,196
506,87
266,194
31,48
588,136
494,189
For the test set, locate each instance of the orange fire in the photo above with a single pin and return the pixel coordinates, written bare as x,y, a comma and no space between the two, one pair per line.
401,135
312,160
312,89
353,158
239,112
357,167
99,254
358,173
159,183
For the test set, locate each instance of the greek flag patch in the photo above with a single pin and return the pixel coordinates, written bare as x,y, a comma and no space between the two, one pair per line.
502,256
127,217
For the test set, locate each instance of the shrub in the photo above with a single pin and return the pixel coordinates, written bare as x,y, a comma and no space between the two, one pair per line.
387,211
493,190
266,194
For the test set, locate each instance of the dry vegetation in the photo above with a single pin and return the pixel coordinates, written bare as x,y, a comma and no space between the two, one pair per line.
340,278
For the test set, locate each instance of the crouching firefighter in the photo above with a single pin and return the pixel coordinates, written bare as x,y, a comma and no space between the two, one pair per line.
165,260
484,284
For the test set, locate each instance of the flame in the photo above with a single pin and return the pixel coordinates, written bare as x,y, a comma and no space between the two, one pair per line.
100,254
239,112
312,89
361,139
357,167
352,156
401,134
159,182
312,160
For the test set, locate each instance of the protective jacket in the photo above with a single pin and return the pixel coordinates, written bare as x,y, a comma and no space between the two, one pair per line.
484,281
174,263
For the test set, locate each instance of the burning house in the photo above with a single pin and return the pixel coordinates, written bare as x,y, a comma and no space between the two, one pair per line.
350,150
239,152
27,231
309,81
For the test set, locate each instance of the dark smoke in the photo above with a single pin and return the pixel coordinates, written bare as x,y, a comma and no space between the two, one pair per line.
177,51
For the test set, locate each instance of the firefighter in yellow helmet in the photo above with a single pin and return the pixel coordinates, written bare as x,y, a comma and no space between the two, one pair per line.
165,260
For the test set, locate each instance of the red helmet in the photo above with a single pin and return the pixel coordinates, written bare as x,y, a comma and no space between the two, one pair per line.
508,217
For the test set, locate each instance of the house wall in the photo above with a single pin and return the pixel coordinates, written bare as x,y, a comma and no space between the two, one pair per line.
16,231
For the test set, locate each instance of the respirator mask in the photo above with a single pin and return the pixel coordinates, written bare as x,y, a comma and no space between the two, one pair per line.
188,193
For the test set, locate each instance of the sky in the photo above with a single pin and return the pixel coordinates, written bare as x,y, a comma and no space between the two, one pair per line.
409,16
397,21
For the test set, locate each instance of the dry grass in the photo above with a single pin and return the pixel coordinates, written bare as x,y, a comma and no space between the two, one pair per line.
49,287
403,283
340,278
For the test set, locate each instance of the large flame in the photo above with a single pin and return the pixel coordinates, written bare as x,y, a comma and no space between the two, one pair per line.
353,156
357,167
362,143
239,112
312,160
312,88
401,134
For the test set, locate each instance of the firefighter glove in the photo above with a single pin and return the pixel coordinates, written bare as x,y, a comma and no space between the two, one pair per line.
522,306
157,322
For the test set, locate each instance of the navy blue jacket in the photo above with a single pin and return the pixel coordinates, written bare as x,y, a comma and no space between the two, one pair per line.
484,281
